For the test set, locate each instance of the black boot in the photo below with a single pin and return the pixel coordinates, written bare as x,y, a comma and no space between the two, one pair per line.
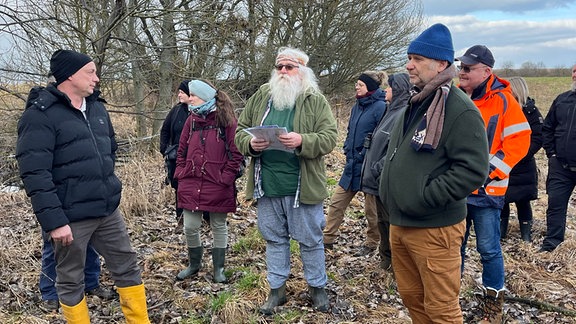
194,261
503,227
319,299
276,297
526,231
218,257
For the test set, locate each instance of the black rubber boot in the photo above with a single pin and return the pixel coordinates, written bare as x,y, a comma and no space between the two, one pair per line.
194,261
218,257
526,231
277,297
319,299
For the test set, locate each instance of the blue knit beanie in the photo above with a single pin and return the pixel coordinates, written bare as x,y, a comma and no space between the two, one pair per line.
201,90
435,43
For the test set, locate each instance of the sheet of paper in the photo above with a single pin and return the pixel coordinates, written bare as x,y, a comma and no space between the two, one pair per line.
269,133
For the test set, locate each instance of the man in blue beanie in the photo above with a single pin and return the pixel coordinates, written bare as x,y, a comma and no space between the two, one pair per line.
438,153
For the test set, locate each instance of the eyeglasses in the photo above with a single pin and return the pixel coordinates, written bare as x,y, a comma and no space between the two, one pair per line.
467,69
289,67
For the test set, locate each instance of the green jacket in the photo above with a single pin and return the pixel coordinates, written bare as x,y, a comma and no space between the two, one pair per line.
429,189
313,119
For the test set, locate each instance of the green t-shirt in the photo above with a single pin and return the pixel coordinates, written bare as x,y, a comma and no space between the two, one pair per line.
279,168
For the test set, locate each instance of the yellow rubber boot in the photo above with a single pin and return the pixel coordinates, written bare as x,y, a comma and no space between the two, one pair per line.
77,314
133,303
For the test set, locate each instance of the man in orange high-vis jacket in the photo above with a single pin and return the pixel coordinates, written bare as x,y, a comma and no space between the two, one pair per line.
508,141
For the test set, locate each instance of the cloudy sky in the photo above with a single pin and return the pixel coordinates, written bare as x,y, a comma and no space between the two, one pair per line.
514,30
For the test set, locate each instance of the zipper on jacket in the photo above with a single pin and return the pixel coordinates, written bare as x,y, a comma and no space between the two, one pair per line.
571,117
393,153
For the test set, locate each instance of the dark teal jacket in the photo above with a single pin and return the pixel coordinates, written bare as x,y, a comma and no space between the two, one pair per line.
429,189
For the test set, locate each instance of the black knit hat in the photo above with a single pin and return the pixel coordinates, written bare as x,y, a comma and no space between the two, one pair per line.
65,63
370,83
184,87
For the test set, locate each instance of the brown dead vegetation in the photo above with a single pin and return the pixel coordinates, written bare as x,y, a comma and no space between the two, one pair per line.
542,286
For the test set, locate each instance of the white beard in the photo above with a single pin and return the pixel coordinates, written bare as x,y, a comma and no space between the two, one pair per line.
574,86
284,90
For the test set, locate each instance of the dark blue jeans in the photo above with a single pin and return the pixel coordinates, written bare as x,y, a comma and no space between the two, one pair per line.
48,274
486,223
559,186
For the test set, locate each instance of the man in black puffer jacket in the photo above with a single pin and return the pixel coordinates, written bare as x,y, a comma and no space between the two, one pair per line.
66,151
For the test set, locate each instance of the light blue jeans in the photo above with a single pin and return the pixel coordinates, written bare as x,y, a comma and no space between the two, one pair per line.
278,221
486,222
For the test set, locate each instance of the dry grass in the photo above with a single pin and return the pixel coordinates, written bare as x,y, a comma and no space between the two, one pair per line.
359,291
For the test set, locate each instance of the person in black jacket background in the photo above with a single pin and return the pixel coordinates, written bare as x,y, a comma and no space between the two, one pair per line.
397,95
66,154
559,142
170,137
523,185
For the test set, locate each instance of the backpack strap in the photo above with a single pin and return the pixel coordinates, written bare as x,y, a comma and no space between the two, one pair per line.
222,134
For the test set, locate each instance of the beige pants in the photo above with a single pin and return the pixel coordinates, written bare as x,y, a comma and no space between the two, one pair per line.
338,204
426,263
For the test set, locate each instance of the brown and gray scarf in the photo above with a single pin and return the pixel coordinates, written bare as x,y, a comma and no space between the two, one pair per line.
428,132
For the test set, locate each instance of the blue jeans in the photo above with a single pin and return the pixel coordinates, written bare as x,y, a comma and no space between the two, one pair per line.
487,228
48,275
278,221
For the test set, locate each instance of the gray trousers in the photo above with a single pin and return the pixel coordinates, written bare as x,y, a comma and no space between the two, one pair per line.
193,222
110,239
279,221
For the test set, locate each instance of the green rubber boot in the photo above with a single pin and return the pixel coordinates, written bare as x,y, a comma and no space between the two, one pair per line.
194,261
276,297
218,257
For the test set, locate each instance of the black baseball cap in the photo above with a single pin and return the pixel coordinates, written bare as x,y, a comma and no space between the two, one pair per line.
477,54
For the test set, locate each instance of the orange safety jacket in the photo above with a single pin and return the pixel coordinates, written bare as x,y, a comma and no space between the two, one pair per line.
508,138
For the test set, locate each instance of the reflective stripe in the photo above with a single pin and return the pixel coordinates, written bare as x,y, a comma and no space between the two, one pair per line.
517,128
499,164
498,183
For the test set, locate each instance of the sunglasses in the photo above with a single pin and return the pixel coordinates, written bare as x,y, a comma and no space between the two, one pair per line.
288,67
467,69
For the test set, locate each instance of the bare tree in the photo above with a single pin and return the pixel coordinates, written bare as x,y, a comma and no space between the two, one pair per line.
143,49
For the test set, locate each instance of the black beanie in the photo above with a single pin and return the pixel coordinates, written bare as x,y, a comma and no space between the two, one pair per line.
65,63
184,87
370,83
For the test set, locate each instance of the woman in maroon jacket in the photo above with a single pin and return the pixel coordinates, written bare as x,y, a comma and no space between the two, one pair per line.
206,169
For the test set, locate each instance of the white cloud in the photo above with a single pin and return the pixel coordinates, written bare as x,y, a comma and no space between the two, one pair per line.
449,7
550,42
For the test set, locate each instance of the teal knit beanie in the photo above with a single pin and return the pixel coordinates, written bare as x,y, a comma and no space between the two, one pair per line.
201,90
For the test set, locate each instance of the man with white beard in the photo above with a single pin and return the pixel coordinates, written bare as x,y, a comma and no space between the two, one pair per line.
290,186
